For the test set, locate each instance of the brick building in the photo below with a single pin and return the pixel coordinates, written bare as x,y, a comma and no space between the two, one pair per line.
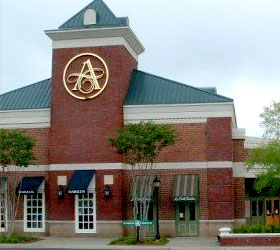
95,89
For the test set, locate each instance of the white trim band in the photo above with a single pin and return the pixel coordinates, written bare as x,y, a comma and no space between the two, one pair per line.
120,166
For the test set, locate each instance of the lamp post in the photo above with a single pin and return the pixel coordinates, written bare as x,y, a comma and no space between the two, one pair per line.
156,183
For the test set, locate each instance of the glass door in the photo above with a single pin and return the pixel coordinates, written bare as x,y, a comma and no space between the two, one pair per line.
272,216
187,218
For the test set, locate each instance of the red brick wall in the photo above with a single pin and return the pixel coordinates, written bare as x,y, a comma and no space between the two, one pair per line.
190,144
239,197
219,139
220,193
80,129
250,241
111,209
238,150
41,149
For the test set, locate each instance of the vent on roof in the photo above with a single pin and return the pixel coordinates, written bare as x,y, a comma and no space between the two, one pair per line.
90,17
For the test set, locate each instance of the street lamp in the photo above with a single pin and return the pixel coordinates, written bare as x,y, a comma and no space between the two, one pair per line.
156,183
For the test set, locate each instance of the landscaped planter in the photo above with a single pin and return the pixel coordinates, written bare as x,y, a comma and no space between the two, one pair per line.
250,239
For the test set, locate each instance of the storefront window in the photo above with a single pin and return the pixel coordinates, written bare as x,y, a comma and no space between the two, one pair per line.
34,212
85,213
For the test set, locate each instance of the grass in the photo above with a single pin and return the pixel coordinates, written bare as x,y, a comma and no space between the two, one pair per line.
132,241
18,239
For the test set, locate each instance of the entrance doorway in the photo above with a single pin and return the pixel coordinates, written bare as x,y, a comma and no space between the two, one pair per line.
187,218
272,215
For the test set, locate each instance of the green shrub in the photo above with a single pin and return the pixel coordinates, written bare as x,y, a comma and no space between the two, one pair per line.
18,239
276,229
240,229
267,229
255,229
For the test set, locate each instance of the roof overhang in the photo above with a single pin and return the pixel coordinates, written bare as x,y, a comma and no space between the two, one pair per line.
63,38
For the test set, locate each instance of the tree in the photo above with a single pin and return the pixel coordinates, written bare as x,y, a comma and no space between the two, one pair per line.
15,154
140,144
271,120
268,155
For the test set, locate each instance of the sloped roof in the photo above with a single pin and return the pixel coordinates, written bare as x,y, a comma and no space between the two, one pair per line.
104,17
34,96
151,89
144,89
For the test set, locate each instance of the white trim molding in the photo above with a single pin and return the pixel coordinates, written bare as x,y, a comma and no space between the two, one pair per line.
240,170
85,166
178,113
238,133
26,118
62,38
189,165
254,142
122,166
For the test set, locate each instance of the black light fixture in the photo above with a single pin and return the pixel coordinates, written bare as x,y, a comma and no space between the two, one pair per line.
156,183
60,192
107,192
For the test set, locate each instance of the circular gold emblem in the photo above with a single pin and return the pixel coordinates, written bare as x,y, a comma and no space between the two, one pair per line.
85,76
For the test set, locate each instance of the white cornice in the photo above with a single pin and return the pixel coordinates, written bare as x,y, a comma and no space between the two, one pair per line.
238,133
27,118
254,142
182,112
87,36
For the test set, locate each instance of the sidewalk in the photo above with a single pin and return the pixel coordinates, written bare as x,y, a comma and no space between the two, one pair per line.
196,243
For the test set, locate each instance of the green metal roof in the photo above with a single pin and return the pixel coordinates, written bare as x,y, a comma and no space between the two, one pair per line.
144,89
34,96
150,89
104,17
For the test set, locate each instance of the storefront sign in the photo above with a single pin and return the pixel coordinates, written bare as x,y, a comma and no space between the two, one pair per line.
85,76
137,223
184,198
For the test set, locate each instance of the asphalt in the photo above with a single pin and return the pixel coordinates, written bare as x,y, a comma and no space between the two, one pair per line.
58,243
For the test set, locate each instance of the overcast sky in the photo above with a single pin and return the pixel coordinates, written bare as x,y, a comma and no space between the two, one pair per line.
233,45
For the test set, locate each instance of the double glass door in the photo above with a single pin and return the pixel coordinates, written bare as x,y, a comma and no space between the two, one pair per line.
272,213
187,218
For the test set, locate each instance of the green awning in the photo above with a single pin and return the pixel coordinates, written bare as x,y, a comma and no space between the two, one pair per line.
142,188
185,188
3,184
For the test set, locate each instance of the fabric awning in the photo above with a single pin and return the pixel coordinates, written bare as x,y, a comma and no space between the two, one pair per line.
185,188
142,188
3,185
80,181
29,185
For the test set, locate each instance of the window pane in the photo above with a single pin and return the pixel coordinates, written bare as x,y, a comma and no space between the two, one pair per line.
192,210
34,213
85,210
268,207
181,211
260,208
276,207
254,208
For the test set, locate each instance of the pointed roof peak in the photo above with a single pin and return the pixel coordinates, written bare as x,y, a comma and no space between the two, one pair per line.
104,17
